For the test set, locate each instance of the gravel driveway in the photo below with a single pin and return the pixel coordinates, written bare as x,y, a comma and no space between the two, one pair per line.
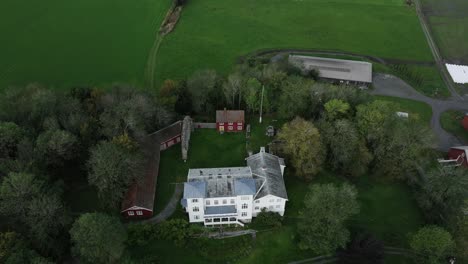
389,85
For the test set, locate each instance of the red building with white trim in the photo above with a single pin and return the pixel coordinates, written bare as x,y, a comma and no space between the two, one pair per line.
230,120
139,199
459,155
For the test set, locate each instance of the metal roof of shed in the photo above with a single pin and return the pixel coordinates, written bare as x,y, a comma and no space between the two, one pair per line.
348,70
459,73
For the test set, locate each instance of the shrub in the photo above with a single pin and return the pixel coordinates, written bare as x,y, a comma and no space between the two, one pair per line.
268,219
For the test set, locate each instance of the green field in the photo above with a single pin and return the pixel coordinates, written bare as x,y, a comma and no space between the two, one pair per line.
72,43
449,23
416,109
213,34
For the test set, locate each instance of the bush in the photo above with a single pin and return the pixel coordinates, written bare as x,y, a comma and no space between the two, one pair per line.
268,219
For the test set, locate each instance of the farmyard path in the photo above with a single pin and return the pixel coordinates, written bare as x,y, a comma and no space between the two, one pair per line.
389,85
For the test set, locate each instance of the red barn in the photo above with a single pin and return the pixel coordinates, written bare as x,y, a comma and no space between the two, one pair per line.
139,199
230,120
459,155
465,122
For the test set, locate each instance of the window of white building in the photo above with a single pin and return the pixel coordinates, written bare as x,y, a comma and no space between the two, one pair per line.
139,213
215,201
196,217
244,198
278,200
278,206
272,200
207,202
196,209
257,201
245,206
270,207
224,201
244,213
257,208
233,201
194,200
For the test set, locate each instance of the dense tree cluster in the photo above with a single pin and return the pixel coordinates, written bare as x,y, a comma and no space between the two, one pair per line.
50,139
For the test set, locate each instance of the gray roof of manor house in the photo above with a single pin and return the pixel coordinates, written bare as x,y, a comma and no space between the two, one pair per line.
245,186
194,189
267,166
348,70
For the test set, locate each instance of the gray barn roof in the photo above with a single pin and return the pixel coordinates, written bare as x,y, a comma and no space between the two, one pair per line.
268,166
347,70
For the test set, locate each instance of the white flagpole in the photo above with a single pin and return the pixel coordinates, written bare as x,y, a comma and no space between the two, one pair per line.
261,105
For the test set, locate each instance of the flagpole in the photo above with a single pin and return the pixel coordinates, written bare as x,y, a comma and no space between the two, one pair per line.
261,105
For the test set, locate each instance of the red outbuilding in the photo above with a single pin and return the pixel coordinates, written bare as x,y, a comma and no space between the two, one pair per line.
230,120
459,155
139,199
465,122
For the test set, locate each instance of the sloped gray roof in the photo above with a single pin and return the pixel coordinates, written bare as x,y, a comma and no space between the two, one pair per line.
194,189
244,186
268,166
215,210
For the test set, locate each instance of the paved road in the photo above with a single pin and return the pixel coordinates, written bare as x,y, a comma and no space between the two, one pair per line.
389,85
170,207
435,52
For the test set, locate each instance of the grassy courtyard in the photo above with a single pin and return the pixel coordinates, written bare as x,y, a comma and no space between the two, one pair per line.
388,209
451,122
73,43
213,34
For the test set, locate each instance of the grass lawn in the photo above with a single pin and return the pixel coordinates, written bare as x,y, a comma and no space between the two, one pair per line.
213,34
449,25
72,43
421,110
451,122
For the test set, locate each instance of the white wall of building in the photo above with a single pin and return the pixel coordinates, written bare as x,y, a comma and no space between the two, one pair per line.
271,203
196,210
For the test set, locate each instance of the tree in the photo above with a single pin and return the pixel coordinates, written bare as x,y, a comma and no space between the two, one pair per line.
444,192
232,88
363,249
168,93
433,243
201,85
10,136
322,225
98,238
15,250
126,110
375,119
295,97
112,168
335,109
302,143
347,151
16,192
252,94
56,146
183,104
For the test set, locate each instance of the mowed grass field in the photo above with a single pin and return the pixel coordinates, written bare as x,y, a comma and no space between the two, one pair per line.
213,33
86,42
449,23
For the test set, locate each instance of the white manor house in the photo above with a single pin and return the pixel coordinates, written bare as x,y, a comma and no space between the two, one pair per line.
220,196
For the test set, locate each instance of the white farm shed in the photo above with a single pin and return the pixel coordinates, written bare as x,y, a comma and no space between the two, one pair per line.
335,69
459,73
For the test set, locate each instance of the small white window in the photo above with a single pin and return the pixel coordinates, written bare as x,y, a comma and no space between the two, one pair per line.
270,207
239,127
230,123
196,217
196,209
139,213
244,198
257,208
257,201
194,200
245,206
278,200
272,200
233,201
224,201
278,206
207,202
215,201
230,127
131,213
244,213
